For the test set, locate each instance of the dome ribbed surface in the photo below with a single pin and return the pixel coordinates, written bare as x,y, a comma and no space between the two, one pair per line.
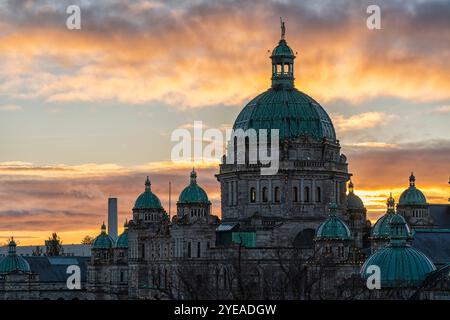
290,111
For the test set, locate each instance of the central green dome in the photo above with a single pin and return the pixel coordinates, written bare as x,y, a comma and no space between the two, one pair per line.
290,111
283,107
193,193
412,195
147,200
12,262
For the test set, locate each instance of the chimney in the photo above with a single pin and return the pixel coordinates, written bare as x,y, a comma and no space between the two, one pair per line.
112,218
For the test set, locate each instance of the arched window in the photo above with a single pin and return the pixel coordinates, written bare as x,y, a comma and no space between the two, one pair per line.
199,246
318,194
265,195
295,194
277,194
189,250
252,195
306,194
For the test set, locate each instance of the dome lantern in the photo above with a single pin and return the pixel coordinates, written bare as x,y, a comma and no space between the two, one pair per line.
350,187
13,262
412,180
282,63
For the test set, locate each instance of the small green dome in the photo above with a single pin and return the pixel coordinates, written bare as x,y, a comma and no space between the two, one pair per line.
283,50
399,263
122,240
147,200
333,227
382,228
103,240
412,195
193,193
353,201
13,262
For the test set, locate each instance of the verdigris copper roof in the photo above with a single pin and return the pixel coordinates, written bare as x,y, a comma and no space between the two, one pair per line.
193,193
400,264
283,50
283,107
382,228
333,227
290,111
353,201
147,200
412,195
122,240
103,240
13,262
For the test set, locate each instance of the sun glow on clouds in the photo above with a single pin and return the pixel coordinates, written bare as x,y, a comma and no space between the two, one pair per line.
141,52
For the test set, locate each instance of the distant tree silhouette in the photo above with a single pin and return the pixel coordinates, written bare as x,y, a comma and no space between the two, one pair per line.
87,240
54,245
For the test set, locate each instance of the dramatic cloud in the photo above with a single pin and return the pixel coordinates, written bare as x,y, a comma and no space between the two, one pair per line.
143,51
361,121
10,107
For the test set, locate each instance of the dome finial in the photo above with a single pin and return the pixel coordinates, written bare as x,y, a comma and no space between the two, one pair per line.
193,176
12,247
412,180
350,187
332,208
125,225
103,227
147,184
283,29
390,203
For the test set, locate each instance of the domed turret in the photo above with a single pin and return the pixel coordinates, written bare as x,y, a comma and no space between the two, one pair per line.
412,195
333,227
103,240
13,262
147,200
353,201
283,107
122,240
382,228
193,193
399,263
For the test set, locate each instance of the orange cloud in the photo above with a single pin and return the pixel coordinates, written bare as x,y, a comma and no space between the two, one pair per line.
180,57
360,121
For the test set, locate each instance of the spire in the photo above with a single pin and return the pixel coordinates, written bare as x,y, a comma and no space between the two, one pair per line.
282,63
12,247
193,176
125,225
412,180
103,227
283,29
147,184
350,187
390,204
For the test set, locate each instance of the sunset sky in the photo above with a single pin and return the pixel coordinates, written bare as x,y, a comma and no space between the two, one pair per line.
85,114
